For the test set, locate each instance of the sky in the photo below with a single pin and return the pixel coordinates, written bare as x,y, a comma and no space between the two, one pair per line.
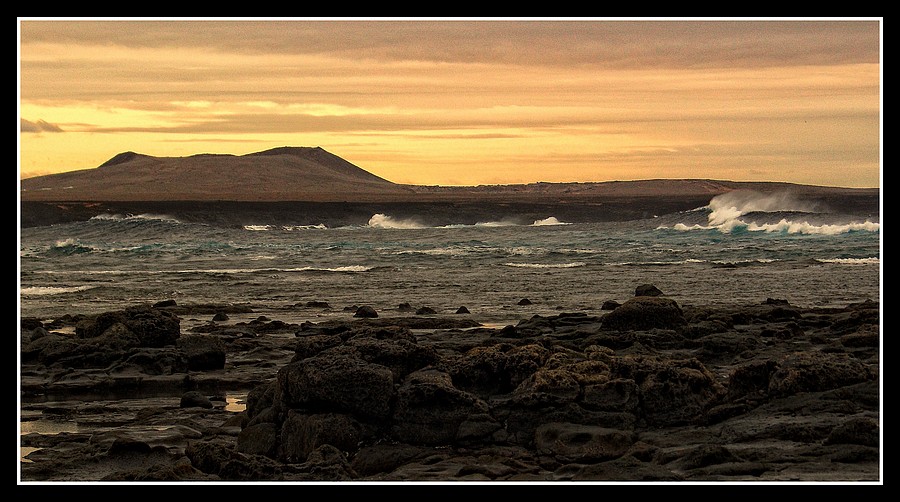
464,101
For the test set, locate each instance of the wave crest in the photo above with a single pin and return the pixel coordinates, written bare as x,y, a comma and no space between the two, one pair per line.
546,265
381,220
748,211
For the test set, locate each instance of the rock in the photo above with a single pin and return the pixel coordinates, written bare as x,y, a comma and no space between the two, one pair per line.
30,323
425,311
857,430
203,352
644,313
258,439
610,305
366,312
338,380
524,301
753,393
462,310
430,409
647,290
153,327
302,434
164,304
405,307
318,305
816,371
195,399
221,316
582,443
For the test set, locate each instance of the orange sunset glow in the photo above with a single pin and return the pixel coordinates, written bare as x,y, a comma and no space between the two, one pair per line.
464,101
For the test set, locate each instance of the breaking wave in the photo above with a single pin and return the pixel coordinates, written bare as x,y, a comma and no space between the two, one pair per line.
748,211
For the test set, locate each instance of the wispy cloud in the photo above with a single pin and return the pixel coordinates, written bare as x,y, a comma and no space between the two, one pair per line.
37,126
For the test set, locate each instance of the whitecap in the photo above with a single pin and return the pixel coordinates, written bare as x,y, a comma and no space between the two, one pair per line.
851,261
51,290
546,265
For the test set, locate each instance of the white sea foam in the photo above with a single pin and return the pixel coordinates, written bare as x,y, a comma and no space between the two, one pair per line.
347,268
802,227
851,261
258,228
51,290
438,251
144,216
384,221
546,265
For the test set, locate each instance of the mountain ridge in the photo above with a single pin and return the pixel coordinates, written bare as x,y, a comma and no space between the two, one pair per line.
313,174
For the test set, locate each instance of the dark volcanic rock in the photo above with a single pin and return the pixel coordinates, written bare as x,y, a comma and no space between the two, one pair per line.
644,313
647,290
366,312
646,392
153,327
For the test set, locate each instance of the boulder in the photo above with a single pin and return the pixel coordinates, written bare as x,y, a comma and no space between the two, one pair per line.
645,313
647,290
366,312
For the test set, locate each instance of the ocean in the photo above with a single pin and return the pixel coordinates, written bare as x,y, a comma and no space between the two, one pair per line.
733,251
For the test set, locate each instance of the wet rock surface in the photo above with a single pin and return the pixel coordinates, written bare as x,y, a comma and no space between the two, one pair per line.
648,391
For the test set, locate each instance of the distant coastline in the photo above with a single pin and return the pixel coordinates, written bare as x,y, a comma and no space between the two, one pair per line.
310,186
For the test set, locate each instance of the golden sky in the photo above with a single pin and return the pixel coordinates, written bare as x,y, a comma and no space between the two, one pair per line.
465,101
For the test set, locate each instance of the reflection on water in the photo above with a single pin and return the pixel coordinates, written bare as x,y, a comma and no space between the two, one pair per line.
236,403
47,426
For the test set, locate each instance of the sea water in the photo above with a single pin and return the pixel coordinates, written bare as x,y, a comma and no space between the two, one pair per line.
730,252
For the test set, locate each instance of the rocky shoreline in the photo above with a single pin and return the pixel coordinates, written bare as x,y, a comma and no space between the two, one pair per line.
649,391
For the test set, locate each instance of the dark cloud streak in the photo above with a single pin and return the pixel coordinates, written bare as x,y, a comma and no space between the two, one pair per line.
37,127
615,44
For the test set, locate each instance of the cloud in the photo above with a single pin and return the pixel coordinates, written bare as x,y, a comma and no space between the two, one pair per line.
37,127
606,43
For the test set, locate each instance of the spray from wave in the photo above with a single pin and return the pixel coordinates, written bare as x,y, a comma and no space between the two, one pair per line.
148,216
744,210
551,221
384,221
727,208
